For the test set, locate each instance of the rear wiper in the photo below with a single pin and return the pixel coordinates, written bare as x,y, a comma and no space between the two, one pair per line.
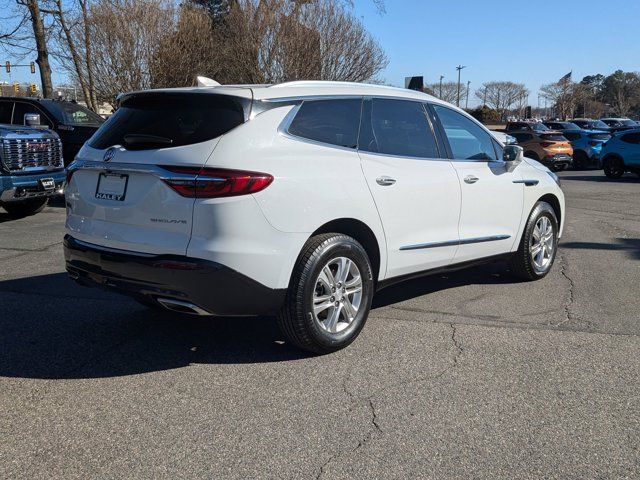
140,140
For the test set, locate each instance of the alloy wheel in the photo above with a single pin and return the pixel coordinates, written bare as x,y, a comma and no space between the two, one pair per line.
337,295
542,245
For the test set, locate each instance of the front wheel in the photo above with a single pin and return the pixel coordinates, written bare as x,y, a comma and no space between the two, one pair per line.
24,208
613,167
539,244
329,296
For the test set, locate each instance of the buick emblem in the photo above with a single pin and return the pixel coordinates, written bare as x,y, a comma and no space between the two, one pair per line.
109,154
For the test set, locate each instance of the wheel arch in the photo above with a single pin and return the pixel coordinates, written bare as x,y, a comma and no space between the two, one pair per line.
552,200
361,232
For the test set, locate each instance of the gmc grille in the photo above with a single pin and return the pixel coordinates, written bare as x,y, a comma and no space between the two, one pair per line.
20,154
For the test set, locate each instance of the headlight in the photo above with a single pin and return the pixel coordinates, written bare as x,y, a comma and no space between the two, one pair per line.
555,177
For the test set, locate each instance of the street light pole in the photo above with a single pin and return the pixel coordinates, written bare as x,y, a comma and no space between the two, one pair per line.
466,106
441,77
459,68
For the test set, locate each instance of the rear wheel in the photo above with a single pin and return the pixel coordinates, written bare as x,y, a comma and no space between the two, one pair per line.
613,167
329,296
539,244
24,208
580,160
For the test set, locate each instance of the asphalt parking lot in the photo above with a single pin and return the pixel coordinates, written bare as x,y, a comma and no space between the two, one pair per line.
468,375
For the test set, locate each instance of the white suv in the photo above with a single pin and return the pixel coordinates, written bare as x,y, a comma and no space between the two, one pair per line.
300,199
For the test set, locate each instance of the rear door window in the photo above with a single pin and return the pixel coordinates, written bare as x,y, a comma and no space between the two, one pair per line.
468,141
6,108
170,119
600,136
631,137
522,137
398,127
335,122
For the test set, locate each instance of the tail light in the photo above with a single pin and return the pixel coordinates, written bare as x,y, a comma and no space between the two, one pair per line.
204,182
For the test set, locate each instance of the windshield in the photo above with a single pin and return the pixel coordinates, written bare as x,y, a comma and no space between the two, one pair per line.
570,126
74,114
599,124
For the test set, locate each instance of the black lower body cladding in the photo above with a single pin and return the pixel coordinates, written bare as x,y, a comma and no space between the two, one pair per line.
211,286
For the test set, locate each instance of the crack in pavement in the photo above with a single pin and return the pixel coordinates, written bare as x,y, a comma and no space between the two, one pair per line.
568,313
374,425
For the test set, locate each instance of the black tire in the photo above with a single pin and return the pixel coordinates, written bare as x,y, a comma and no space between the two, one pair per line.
522,264
557,168
580,160
613,167
297,320
24,208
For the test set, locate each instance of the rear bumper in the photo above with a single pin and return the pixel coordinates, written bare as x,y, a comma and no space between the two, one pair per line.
22,187
212,287
558,159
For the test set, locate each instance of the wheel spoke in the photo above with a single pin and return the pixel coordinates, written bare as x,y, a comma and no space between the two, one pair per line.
349,310
327,278
332,319
535,249
343,270
320,304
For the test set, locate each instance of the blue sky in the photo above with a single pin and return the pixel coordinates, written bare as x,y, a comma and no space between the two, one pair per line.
529,42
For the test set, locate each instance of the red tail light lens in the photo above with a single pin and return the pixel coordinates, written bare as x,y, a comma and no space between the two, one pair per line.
215,182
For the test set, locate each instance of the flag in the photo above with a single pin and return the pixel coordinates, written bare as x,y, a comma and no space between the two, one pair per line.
566,78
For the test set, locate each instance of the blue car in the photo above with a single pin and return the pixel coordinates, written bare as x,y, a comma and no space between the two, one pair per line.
587,147
622,154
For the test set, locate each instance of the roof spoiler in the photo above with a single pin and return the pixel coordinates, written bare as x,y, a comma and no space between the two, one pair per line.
206,82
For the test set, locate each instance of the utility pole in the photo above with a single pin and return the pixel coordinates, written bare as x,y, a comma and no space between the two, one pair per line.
466,106
459,68
441,77
484,100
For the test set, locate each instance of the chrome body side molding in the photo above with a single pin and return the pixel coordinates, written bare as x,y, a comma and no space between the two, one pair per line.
451,243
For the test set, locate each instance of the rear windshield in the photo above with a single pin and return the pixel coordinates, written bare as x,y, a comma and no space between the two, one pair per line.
74,114
181,118
553,137
600,136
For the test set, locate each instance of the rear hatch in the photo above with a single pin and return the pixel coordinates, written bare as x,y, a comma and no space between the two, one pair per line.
555,142
129,187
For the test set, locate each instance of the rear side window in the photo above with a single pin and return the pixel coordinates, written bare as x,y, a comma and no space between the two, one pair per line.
398,127
6,108
328,121
176,118
631,137
600,136
467,139
22,108
553,137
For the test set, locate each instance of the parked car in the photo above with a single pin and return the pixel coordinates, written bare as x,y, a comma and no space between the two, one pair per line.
622,154
300,199
619,124
72,122
547,147
31,168
587,147
590,124
561,126
504,138
526,127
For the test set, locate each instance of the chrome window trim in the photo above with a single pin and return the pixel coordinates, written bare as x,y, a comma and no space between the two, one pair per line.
453,243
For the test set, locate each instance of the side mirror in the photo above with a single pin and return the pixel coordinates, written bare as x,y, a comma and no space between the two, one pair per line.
512,153
32,119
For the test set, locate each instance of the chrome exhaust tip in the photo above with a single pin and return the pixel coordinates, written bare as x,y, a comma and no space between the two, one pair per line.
181,307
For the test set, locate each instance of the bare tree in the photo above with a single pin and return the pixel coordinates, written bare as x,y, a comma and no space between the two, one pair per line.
449,91
502,95
562,95
27,32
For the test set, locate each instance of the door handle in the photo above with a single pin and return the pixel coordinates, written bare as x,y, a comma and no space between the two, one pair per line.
385,181
471,179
